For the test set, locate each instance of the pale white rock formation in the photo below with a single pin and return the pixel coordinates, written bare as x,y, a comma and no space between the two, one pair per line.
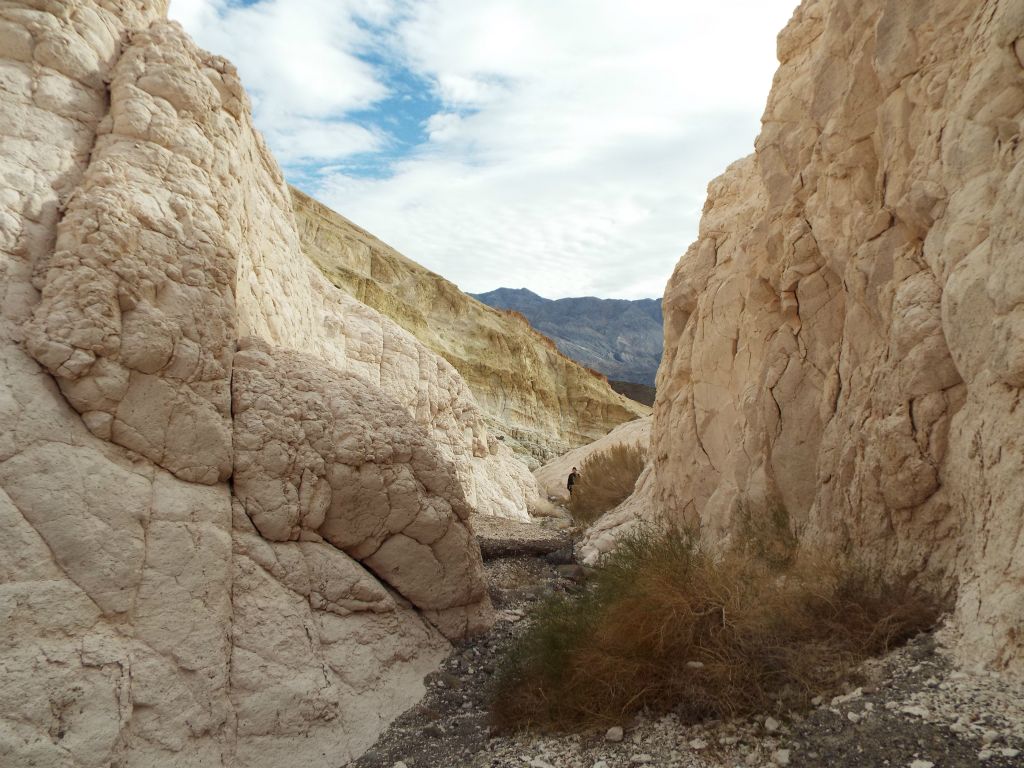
845,342
325,456
145,620
552,476
136,319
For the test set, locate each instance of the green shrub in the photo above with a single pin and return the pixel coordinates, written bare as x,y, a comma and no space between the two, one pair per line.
666,626
606,480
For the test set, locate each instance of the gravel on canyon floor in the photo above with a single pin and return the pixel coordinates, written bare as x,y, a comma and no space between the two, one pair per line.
913,708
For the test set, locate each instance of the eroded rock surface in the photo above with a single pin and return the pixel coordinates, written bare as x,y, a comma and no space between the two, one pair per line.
325,456
844,344
145,618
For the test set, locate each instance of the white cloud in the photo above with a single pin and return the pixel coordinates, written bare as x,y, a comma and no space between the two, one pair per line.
299,61
573,142
302,140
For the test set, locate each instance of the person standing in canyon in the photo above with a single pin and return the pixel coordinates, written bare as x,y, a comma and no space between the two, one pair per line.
574,478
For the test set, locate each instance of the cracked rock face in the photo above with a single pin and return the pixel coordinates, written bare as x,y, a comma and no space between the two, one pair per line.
325,456
844,346
210,556
136,319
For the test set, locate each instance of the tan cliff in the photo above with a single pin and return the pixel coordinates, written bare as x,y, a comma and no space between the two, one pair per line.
844,344
235,501
538,400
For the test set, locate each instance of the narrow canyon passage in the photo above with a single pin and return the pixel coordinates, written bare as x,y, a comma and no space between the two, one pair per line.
910,708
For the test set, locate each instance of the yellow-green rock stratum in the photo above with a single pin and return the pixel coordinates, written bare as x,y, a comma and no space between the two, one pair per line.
539,401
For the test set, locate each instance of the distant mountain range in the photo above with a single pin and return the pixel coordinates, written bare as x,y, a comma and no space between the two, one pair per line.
622,339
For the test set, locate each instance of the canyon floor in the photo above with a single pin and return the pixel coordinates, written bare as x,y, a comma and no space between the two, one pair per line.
911,709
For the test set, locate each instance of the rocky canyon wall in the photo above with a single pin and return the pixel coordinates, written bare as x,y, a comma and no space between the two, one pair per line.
844,347
234,501
539,401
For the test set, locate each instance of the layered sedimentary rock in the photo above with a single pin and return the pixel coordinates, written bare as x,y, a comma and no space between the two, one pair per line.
538,401
845,342
210,556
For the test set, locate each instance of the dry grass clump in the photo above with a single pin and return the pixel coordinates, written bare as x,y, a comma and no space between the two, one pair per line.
607,478
665,626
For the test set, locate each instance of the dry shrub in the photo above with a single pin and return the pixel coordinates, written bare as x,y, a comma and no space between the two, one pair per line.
665,626
607,479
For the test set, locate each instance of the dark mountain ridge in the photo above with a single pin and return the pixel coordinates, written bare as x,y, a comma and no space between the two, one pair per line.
618,337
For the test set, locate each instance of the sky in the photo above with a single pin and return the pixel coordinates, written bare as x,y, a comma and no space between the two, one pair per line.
563,146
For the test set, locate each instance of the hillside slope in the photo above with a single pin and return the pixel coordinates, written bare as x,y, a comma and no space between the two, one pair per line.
622,339
538,400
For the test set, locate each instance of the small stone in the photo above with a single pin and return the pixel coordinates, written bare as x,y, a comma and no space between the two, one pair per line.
695,664
853,717
1009,752
816,701
915,710
986,754
615,733
856,693
780,757
538,763
771,724
450,680
400,764
922,764
600,764
642,759
698,744
991,737
573,572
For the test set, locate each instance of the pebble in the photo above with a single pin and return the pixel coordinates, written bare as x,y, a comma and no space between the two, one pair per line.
780,757
771,724
922,764
854,694
695,664
853,717
538,763
917,711
600,764
642,759
614,733
698,744
1009,752
400,764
